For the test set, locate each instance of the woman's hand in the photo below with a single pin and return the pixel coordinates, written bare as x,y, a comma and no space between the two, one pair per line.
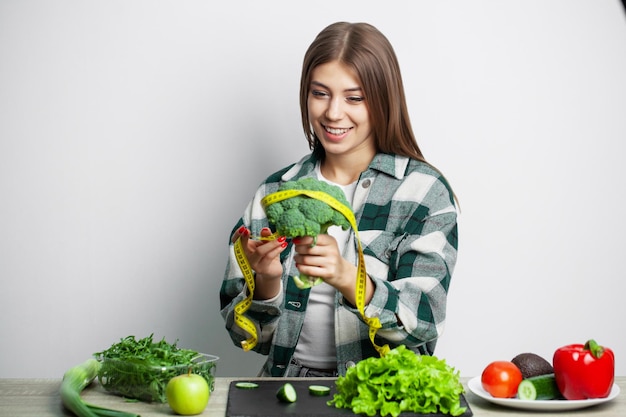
324,261
264,259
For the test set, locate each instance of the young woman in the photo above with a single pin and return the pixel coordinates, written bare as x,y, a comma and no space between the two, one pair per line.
355,119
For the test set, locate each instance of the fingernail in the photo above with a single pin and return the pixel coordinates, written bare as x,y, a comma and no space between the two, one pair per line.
296,240
283,245
281,239
241,229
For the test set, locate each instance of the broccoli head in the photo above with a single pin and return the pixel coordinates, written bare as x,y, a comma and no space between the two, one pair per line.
302,215
305,216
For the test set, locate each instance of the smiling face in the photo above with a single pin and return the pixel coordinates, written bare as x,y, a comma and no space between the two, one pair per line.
338,113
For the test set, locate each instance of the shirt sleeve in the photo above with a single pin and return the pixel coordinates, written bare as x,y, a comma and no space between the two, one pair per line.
263,313
412,304
412,270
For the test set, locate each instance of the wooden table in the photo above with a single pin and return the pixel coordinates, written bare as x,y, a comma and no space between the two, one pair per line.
40,398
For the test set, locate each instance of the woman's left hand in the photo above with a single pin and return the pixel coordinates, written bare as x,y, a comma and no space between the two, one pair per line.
324,261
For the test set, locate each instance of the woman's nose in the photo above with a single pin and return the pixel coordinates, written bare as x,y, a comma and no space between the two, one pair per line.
335,109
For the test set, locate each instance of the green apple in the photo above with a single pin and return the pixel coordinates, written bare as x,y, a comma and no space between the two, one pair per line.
187,394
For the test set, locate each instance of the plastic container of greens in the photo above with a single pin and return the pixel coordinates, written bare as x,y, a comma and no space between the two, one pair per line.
145,381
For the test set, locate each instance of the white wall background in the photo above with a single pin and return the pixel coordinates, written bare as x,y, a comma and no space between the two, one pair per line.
132,134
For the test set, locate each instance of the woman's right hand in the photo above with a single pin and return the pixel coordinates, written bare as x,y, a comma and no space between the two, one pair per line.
264,259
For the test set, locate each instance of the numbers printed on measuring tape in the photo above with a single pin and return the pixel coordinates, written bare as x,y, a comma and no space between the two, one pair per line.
247,325
240,308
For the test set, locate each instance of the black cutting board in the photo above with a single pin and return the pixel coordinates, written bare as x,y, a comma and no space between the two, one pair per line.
262,401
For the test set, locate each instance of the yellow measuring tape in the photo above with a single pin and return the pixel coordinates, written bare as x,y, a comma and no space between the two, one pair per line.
247,325
242,306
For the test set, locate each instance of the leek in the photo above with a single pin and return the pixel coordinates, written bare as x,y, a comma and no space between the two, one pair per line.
75,380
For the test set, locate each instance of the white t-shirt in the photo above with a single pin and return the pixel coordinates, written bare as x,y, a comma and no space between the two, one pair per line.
316,345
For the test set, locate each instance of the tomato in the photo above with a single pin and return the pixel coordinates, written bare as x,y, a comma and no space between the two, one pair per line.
501,379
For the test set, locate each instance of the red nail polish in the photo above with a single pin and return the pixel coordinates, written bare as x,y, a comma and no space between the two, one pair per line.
296,240
283,245
241,229
281,239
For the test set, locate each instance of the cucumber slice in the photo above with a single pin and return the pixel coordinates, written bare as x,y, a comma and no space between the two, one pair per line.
246,385
287,393
542,387
319,390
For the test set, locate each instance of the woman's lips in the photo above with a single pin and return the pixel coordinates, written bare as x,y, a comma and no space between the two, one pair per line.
335,133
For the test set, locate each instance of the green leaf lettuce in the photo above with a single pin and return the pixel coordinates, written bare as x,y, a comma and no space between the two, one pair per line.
400,381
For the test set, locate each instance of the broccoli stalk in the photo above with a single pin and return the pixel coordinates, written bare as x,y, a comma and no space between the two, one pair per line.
301,215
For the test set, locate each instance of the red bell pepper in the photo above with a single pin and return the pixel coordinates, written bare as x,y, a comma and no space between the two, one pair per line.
584,371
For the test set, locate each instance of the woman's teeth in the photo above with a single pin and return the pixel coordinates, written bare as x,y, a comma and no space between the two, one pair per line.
335,131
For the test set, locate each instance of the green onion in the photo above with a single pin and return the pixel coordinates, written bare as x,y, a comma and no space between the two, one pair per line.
75,380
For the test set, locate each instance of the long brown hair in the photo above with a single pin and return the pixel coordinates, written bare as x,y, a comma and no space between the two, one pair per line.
364,49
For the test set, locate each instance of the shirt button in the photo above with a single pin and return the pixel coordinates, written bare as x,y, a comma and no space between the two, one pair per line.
366,183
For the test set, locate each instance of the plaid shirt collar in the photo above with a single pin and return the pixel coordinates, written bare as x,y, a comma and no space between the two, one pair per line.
392,165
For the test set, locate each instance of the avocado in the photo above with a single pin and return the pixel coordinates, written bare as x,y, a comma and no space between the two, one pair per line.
532,365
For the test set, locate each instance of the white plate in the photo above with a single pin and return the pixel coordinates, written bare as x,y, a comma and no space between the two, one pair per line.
476,387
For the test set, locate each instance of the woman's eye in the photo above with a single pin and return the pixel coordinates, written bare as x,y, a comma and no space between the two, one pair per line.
356,99
318,93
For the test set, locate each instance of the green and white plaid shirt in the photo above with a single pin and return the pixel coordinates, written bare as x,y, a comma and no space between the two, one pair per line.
407,224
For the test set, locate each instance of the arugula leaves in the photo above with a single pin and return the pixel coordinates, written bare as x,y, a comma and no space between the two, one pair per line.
400,381
148,352
140,369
